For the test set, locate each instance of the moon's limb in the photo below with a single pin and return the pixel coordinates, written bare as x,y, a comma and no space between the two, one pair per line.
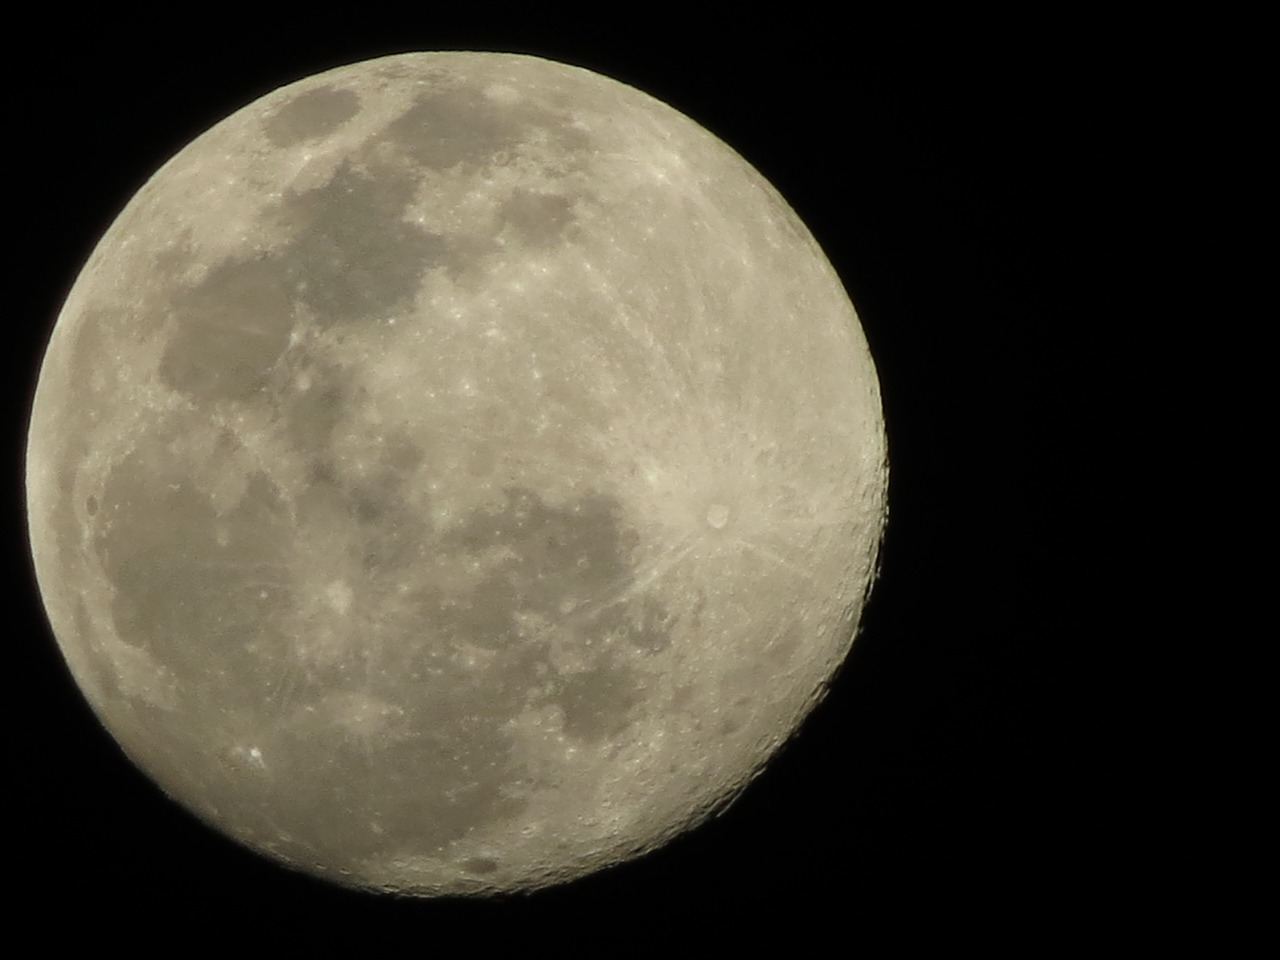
455,472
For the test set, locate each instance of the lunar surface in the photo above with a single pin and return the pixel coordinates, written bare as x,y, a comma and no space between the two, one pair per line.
455,473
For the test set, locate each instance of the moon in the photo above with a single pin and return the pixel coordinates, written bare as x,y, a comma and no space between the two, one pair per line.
455,473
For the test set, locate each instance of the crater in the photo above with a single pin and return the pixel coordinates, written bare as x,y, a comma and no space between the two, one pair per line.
717,516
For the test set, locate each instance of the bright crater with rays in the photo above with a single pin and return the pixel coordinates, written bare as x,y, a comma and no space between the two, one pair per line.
455,472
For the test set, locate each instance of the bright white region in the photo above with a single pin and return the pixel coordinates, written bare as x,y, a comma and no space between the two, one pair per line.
339,595
717,515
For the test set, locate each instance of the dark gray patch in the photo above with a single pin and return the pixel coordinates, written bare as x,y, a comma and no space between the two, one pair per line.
353,257
486,616
310,416
312,115
538,218
371,796
480,865
449,127
388,533
91,505
394,537
453,774
366,508
563,566
465,258
596,703
440,770
555,555
402,455
321,473
444,768
549,560
392,534
232,328
191,587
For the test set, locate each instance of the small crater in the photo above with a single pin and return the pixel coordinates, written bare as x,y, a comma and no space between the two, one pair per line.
717,516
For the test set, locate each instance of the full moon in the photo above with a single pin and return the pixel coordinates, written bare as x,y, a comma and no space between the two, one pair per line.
455,473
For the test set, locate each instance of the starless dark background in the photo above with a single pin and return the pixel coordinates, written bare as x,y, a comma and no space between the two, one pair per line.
953,172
